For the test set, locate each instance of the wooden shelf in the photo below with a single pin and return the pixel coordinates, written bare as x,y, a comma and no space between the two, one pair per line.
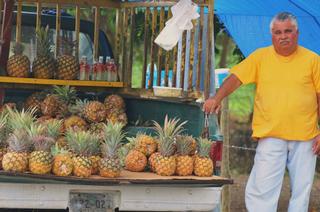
35,81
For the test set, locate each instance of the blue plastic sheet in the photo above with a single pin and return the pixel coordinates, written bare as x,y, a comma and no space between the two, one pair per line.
247,21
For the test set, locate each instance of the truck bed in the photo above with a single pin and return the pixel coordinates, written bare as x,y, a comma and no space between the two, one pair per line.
132,191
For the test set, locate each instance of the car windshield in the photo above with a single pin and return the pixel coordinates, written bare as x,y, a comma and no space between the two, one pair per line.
28,40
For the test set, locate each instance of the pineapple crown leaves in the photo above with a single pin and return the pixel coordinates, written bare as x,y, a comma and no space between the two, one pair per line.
17,48
44,42
66,94
39,137
170,129
56,150
3,129
67,45
183,144
203,147
81,142
53,128
19,141
113,135
20,120
78,107
167,134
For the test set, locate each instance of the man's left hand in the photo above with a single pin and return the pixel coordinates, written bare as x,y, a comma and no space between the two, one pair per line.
316,145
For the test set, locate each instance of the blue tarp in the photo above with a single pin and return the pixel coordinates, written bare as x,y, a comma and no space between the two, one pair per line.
247,21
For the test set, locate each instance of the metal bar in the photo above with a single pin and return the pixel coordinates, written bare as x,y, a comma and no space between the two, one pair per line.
119,37
175,64
77,30
96,33
152,51
130,34
208,66
198,72
124,52
18,24
145,47
168,53
183,59
19,80
159,62
58,23
82,3
116,46
6,32
153,4
39,9
191,61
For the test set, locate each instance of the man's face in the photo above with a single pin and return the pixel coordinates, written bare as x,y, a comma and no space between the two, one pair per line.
284,37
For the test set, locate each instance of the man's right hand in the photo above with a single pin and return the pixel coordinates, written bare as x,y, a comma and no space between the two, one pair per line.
211,105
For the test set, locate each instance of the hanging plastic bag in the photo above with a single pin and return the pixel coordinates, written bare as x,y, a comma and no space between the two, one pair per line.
182,14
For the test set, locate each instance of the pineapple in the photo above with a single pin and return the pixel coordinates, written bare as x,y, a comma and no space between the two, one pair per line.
166,163
57,103
152,161
95,156
114,102
110,165
184,160
135,161
123,152
50,105
95,111
4,107
67,96
18,64
75,123
40,160
62,162
44,65
3,136
98,129
145,144
19,142
67,64
80,142
116,116
34,101
203,165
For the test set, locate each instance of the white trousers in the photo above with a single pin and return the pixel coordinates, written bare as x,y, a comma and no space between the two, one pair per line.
264,185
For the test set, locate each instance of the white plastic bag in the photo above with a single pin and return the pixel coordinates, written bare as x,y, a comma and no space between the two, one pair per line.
182,14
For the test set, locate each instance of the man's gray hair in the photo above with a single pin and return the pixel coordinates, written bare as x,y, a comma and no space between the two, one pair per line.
283,16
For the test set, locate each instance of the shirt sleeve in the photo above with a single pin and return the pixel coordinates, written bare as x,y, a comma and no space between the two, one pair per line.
246,71
316,73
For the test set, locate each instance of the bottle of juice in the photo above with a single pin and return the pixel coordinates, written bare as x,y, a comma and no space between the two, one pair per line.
113,71
100,68
84,69
107,69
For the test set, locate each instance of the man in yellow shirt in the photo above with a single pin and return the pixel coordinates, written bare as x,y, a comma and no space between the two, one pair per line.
285,117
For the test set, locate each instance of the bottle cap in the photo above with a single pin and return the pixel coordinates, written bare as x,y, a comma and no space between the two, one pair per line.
100,59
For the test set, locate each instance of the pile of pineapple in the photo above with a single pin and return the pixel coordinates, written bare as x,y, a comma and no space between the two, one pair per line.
169,153
29,145
91,144
45,66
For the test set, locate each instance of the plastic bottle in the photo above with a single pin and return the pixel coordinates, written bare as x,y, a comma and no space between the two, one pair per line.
100,68
94,70
84,69
113,71
107,73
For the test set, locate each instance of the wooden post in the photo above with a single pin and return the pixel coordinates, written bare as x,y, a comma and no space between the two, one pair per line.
225,169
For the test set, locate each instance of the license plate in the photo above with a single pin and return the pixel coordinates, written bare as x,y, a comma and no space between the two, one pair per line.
91,202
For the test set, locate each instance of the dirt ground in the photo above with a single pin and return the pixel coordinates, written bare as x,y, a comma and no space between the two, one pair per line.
237,195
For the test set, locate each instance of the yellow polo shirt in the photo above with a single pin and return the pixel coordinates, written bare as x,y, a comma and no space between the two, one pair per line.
285,104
